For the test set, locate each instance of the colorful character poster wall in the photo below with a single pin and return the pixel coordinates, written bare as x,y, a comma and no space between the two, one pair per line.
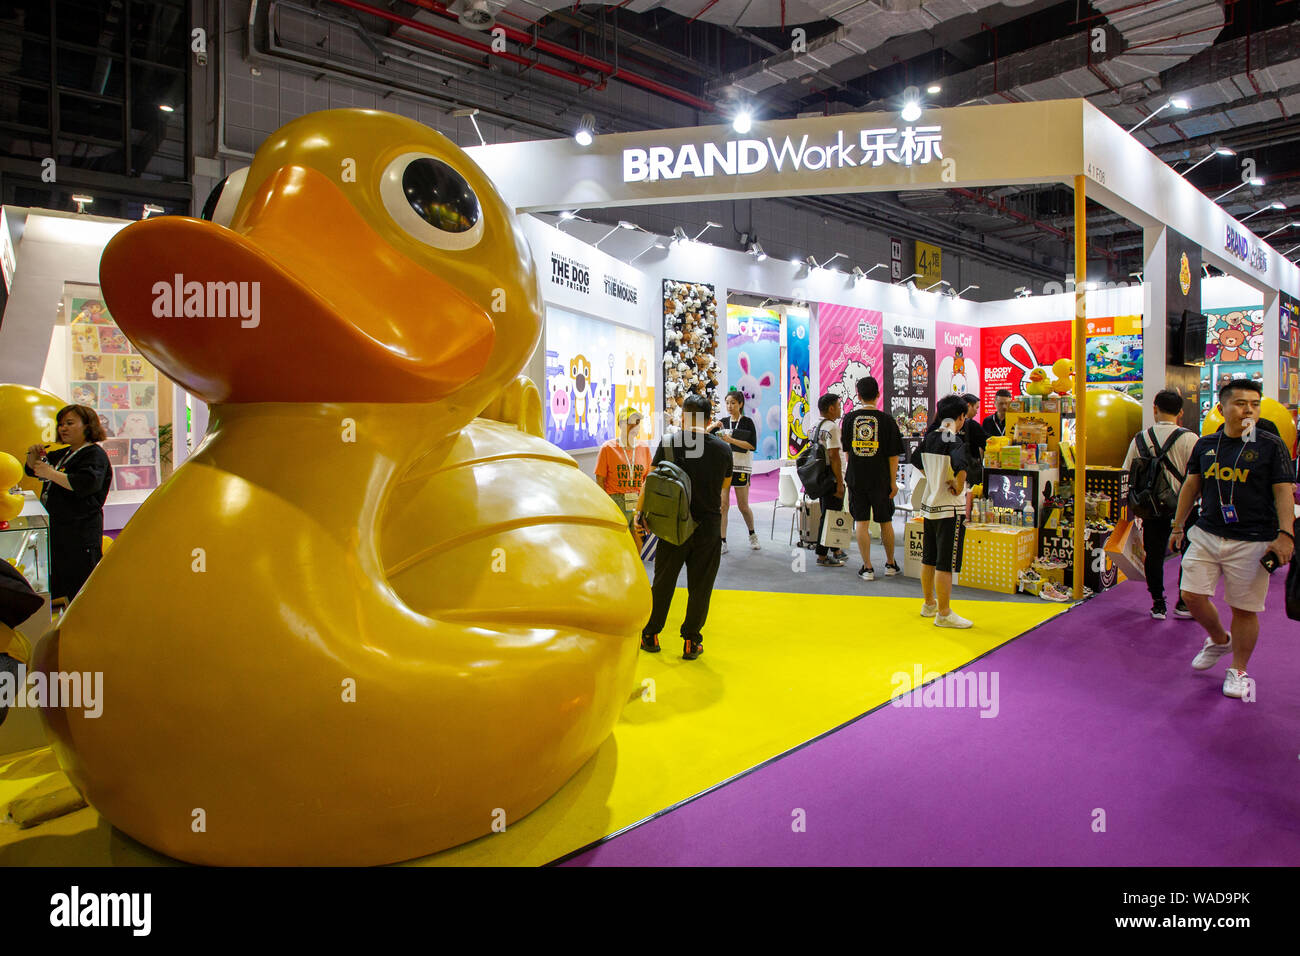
754,367
107,374
798,402
1010,352
956,356
1234,349
907,374
1113,353
593,368
1288,380
851,342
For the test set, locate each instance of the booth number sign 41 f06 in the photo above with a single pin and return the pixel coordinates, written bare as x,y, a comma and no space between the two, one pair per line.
1096,173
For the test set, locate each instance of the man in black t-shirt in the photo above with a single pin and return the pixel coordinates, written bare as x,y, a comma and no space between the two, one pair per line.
873,443
707,461
996,424
1245,481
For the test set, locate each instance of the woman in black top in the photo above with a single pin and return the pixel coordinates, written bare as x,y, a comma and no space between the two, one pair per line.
76,482
739,432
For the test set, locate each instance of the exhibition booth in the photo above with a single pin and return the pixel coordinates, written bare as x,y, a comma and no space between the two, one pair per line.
681,315
429,546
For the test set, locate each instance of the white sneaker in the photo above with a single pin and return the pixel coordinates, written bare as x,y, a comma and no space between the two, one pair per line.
1210,654
724,545
929,610
953,619
892,570
866,573
753,541
1235,684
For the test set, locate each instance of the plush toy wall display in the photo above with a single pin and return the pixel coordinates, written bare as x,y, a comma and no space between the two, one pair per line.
690,346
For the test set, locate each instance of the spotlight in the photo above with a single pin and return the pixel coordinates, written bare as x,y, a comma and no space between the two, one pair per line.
568,214
743,121
1176,102
679,234
166,109
1275,204
586,127
657,244
934,89
1024,292
707,226
958,295
1250,182
756,250
82,201
936,285
151,209
1290,225
838,255
1225,151
469,114
1217,151
911,111
909,283
1179,102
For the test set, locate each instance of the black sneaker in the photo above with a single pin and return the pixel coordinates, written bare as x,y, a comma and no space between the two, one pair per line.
692,650
1158,611
892,570
840,554
866,573
1181,610
650,643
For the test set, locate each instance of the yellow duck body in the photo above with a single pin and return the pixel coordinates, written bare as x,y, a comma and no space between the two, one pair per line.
371,629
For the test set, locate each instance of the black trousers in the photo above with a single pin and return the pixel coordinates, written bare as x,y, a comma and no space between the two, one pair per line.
1155,539
76,546
828,503
701,553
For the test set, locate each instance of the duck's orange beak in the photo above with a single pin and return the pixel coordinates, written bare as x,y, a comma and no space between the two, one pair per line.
300,300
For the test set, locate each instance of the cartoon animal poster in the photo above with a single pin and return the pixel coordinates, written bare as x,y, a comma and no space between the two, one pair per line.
1010,352
798,401
1114,358
957,360
1235,335
108,375
851,344
593,369
754,367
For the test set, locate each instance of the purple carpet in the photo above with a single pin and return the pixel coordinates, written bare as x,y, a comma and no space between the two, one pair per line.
1099,713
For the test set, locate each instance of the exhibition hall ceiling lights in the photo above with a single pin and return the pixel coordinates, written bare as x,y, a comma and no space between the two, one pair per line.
1217,151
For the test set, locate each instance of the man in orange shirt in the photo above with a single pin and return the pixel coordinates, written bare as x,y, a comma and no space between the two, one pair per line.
623,464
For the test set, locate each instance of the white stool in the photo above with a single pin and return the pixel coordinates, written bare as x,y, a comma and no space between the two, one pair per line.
787,497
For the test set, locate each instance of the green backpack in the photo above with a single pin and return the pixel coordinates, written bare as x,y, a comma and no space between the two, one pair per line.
667,506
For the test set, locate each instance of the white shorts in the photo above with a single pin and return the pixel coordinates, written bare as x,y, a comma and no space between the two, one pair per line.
1209,557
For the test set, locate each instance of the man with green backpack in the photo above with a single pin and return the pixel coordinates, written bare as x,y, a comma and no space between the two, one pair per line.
681,502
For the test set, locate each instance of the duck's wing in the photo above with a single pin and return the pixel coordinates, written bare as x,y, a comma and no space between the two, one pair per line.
519,404
505,530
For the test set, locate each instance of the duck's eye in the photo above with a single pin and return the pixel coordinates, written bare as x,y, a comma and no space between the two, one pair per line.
439,195
221,202
431,201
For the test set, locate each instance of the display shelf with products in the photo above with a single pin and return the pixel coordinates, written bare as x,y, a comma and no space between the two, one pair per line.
25,543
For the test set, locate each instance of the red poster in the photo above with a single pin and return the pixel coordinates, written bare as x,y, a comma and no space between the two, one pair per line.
1011,352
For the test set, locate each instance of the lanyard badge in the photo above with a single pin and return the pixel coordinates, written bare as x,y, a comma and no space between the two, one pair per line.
1229,513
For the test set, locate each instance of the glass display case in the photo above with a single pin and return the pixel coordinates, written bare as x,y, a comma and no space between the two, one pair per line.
25,544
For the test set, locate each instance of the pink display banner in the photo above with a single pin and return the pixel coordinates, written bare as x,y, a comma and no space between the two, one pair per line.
851,346
956,357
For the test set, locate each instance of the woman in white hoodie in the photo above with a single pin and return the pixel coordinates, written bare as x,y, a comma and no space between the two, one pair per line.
945,458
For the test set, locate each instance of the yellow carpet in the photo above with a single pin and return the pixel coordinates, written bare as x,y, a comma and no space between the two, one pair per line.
780,671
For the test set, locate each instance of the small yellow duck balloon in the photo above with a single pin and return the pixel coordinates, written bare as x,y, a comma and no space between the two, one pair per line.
1063,376
383,614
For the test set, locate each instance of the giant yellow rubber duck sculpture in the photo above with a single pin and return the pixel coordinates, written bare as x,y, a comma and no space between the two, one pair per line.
375,614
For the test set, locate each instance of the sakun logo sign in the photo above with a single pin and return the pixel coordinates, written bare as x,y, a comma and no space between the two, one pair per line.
908,146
